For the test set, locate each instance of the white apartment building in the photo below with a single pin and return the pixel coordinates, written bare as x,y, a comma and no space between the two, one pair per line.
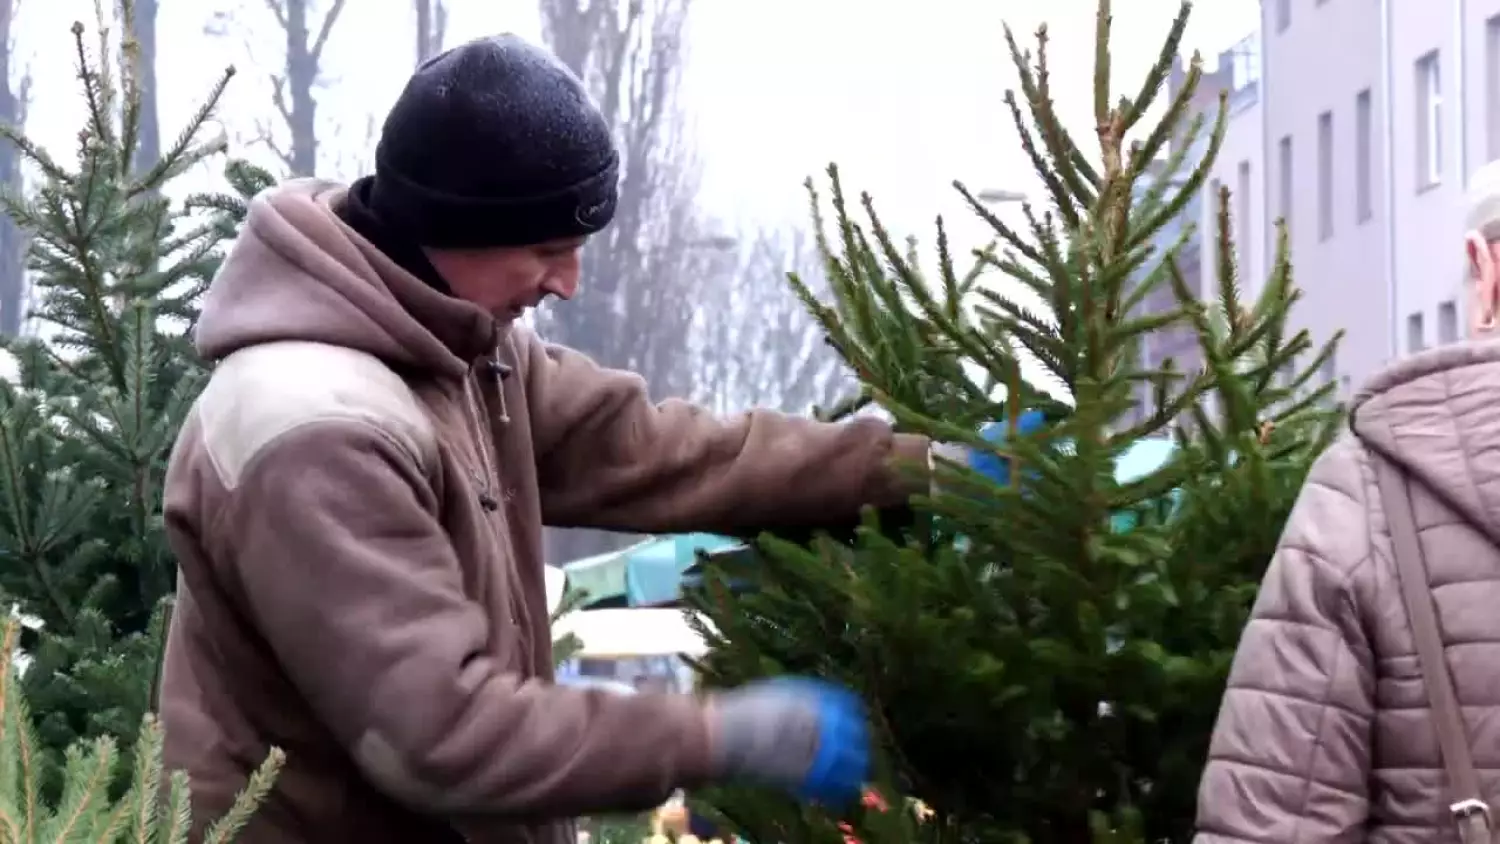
1359,122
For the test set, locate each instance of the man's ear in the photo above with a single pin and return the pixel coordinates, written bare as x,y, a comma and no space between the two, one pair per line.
1484,277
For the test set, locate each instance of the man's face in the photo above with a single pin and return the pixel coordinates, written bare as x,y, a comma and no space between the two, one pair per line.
1484,285
506,281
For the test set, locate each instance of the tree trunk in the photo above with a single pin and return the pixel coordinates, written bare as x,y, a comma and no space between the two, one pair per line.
143,30
301,73
432,29
12,239
292,93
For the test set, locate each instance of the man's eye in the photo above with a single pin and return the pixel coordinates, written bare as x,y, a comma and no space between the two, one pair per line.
559,250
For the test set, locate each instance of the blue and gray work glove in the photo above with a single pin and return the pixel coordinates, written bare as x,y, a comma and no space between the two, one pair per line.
805,737
995,468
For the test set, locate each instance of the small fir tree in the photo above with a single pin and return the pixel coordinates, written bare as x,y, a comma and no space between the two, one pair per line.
86,813
1043,654
568,645
87,424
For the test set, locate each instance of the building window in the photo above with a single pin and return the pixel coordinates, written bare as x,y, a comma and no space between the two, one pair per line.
1429,121
1283,15
1492,86
1325,175
1364,158
1242,217
1285,188
1416,333
1448,322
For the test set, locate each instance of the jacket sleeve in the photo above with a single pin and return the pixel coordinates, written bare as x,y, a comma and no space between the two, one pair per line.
335,551
1291,754
608,457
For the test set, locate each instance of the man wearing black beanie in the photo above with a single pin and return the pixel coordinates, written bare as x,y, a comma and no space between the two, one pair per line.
494,148
356,500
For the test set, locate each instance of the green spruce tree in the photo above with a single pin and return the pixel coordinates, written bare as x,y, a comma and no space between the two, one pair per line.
86,813
567,646
87,423
1043,657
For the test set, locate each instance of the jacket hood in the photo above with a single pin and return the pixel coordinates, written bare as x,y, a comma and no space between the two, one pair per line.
1437,415
298,272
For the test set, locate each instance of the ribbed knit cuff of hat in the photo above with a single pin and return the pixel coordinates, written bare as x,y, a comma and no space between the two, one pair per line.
441,220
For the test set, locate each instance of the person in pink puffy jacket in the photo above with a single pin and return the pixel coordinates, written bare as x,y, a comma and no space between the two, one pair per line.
1326,733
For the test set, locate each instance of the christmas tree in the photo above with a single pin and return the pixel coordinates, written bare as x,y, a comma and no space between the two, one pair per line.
87,422
1044,647
86,811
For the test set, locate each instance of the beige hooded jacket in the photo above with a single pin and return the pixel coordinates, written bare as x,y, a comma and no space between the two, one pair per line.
356,504
1325,733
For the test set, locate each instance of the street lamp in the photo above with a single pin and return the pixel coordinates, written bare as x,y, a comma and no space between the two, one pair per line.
716,243
1000,196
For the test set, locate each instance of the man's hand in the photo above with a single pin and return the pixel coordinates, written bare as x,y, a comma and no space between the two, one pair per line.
806,737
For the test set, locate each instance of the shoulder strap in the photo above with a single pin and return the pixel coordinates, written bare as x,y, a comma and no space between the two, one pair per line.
1468,806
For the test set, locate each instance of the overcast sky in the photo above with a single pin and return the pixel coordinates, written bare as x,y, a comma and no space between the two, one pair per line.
905,101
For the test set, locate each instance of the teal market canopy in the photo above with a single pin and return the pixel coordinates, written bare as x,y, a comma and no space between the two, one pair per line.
652,572
1139,460
646,574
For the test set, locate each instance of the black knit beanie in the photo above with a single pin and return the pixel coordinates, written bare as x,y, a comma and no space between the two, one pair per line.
494,143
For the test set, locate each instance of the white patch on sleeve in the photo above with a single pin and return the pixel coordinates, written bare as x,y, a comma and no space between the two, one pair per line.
261,393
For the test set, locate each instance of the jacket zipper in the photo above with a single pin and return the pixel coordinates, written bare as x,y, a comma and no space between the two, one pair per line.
490,467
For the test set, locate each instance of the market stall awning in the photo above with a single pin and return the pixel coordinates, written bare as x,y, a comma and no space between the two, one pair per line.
648,573
628,633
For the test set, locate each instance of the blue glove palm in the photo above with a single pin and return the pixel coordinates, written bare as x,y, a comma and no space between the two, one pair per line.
1139,460
807,737
995,468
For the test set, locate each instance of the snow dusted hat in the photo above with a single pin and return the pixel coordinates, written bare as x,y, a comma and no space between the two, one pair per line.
494,143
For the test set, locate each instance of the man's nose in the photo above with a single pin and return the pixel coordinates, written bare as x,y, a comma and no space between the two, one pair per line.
562,286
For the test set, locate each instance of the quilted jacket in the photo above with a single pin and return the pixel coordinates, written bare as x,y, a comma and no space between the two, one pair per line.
1324,734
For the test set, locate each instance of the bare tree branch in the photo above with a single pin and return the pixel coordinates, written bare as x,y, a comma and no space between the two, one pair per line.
265,136
323,32
355,159
293,87
278,9
278,96
23,99
756,342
